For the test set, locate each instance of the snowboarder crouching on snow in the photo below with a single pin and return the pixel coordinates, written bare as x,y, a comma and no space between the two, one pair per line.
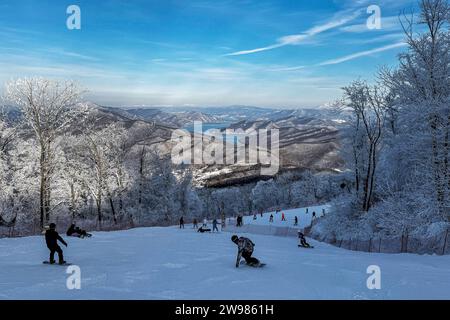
245,250
51,238
302,240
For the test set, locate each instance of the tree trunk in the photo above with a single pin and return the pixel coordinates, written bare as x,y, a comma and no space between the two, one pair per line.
356,170
113,210
141,175
446,165
372,179
72,202
47,199
42,188
437,166
367,180
99,209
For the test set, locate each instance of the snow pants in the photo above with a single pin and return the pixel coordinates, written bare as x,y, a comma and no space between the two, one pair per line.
52,254
249,259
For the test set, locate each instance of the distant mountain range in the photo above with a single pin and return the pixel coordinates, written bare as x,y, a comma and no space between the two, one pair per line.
181,116
309,138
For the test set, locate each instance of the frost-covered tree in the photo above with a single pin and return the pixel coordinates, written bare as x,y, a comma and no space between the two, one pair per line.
160,189
303,191
422,87
369,105
266,195
48,107
73,174
412,186
228,201
7,138
190,204
101,153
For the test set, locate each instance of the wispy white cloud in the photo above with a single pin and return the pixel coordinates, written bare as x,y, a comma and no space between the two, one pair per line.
390,37
70,54
296,68
238,53
362,54
296,39
344,58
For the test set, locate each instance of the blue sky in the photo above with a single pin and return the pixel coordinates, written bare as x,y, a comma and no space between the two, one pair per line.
274,53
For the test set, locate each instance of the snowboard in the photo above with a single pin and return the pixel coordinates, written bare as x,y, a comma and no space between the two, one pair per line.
57,264
310,247
259,265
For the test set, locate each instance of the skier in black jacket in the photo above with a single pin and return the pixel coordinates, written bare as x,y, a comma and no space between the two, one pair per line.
51,238
181,222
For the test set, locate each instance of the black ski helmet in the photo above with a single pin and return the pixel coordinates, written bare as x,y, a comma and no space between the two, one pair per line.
52,226
234,238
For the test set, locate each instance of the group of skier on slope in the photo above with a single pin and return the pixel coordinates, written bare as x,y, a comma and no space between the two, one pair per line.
245,245
204,227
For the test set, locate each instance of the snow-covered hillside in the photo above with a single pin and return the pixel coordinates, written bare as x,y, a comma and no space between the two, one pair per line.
169,263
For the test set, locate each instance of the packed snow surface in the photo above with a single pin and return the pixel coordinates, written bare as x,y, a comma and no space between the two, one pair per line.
169,263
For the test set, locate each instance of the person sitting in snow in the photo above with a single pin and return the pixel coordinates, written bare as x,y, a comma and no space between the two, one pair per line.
51,238
74,231
302,240
245,250
203,229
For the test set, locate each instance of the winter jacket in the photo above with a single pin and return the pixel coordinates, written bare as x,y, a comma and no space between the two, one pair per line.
52,237
245,247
